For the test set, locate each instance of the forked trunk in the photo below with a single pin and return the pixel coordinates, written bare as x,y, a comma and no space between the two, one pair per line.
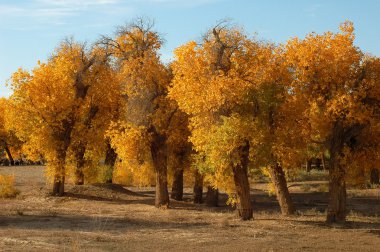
198,187
110,162
159,155
374,179
277,176
336,209
80,162
212,197
177,186
240,172
9,154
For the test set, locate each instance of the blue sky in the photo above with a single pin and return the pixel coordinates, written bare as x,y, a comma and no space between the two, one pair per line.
31,29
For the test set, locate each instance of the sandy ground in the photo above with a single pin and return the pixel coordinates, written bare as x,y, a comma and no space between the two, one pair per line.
101,218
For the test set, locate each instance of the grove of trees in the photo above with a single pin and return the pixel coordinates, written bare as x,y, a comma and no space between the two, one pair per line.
227,105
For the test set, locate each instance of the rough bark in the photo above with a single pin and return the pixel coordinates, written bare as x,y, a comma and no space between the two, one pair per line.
177,186
240,172
212,197
9,154
374,179
110,160
198,187
336,209
159,155
283,196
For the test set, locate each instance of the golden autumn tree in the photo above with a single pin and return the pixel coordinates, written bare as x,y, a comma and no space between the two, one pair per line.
275,138
48,101
140,136
246,98
8,139
212,83
338,88
98,109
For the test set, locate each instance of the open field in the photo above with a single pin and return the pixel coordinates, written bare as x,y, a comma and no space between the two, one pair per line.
112,218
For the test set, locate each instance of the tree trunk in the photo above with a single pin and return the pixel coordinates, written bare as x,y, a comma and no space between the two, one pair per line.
277,176
9,154
318,164
336,209
323,161
198,188
80,162
177,187
374,179
240,172
64,138
59,176
308,165
110,161
159,156
212,197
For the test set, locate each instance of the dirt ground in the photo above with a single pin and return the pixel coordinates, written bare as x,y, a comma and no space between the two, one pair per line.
113,218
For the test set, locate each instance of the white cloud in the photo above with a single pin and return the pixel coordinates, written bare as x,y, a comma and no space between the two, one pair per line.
37,14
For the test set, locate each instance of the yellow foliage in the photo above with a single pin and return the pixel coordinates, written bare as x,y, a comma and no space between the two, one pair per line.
7,189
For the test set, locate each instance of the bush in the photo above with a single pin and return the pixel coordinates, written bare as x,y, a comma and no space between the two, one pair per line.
306,187
7,189
104,173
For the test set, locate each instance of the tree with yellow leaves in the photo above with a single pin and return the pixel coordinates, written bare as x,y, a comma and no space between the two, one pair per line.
141,135
212,83
337,88
98,109
48,103
235,91
8,139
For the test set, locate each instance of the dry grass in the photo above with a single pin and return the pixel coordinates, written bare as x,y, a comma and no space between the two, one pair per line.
112,218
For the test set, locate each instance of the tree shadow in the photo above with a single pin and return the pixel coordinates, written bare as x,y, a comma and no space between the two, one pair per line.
88,223
146,201
369,227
